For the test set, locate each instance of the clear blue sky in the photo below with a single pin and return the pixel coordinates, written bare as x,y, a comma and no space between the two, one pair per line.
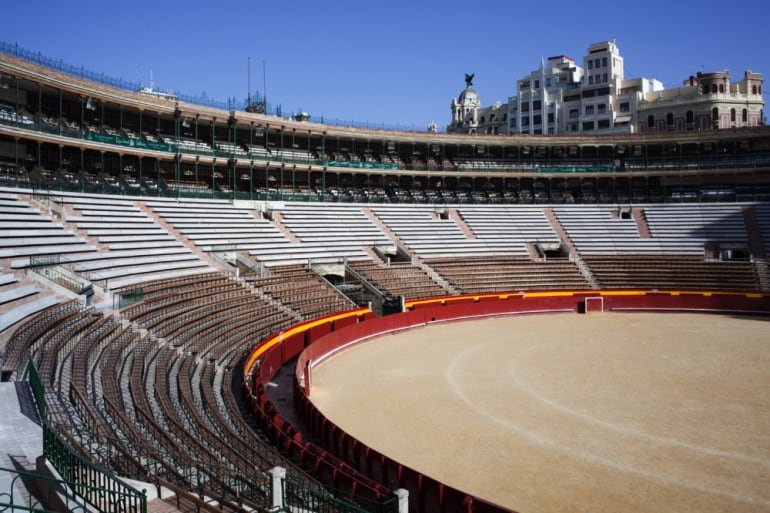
394,62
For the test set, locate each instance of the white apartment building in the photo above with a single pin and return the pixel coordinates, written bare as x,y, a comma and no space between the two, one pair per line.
562,97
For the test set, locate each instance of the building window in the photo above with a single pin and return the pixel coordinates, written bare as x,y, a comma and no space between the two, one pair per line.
536,105
525,107
754,89
590,64
588,125
601,108
525,84
573,114
744,115
670,118
689,117
625,107
603,123
550,117
590,80
548,82
597,63
732,115
537,84
650,121
481,120
537,119
589,110
721,88
604,62
524,122
604,77
713,88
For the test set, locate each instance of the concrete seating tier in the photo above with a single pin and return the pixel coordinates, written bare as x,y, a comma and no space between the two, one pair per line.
515,225
674,228
325,234
429,236
601,230
134,247
702,223
25,232
219,224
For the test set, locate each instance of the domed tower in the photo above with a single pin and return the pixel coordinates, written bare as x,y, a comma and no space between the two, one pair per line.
465,110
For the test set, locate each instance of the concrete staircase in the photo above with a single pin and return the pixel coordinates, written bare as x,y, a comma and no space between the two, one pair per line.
573,252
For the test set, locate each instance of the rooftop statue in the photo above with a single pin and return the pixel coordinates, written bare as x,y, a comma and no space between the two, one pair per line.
469,79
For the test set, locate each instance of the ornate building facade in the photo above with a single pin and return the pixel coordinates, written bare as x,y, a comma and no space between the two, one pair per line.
563,97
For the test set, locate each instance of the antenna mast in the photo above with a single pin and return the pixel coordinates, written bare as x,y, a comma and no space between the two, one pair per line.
264,85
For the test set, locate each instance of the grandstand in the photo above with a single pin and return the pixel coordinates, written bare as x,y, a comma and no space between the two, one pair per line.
143,260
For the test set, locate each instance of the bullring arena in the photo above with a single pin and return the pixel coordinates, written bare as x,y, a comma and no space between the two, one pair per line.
176,279
612,412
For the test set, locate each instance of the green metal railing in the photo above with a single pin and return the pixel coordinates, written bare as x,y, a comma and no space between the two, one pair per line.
574,169
95,485
47,498
127,298
44,260
38,390
298,496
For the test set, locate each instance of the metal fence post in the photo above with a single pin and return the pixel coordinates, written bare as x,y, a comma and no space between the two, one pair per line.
277,475
403,500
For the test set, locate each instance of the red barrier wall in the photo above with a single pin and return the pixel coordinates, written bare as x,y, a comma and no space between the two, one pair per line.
347,463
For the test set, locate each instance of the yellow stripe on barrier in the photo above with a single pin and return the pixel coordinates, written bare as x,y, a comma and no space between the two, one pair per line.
623,292
445,300
559,293
299,328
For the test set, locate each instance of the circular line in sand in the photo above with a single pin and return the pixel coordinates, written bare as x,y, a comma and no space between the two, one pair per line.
560,413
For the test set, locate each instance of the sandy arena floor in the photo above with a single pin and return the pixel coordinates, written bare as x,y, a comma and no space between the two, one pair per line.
566,412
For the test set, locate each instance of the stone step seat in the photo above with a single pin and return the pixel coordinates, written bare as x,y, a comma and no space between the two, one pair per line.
146,269
25,310
110,263
16,293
